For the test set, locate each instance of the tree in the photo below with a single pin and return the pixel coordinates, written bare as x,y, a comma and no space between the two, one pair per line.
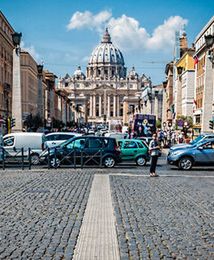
33,122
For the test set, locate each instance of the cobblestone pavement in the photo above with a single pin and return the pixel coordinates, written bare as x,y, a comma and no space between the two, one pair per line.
164,218
41,213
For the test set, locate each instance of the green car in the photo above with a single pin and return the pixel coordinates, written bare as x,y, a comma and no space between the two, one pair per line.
132,149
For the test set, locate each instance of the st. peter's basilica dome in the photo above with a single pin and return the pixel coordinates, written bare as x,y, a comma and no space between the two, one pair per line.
106,60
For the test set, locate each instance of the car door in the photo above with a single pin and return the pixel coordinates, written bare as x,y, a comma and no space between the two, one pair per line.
72,150
93,150
129,150
205,153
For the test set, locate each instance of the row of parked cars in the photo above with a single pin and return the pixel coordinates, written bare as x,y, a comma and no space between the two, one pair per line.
58,148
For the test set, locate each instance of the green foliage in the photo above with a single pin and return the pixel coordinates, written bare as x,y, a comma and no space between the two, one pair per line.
33,122
187,119
158,123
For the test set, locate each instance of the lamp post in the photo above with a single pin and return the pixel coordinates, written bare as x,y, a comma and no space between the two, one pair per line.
40,99
16,91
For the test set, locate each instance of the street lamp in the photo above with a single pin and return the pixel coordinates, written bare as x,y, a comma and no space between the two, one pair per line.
40,100
209,41
16,93
16,38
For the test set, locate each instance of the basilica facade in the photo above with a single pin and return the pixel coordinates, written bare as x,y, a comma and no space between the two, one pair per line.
107,93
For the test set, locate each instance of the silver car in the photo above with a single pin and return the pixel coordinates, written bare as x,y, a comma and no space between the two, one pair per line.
56,138
201,153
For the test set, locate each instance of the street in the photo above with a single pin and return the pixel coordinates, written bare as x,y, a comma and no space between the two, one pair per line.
42,212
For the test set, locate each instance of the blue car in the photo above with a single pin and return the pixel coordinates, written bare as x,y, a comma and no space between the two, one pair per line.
185,158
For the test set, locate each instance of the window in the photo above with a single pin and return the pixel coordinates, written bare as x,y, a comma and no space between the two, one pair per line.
130,145
209,145
95,143
79,143
9,141
140,145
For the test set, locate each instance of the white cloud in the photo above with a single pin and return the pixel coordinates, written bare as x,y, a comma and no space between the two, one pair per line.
31,50
86,19
127,33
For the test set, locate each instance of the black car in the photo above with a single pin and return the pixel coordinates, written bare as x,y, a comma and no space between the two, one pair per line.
84,150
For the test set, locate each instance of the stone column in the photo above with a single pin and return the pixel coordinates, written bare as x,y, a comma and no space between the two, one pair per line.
100,105
125,111
64,111
105,102
94,106
109,106
114,106
16,92
91,106
118,106
156,108
40,98
207,96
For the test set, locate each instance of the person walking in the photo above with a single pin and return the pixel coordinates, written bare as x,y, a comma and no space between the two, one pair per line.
154,150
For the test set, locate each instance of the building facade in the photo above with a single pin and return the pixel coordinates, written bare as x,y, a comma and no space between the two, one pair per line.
185,77
29,84
6,68
204,79
107,93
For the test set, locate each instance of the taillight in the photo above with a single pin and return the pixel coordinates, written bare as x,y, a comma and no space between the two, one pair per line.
117,148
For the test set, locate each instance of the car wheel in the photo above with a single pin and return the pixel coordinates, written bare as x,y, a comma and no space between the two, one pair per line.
34,159
109,162
54,162
185,163
141,161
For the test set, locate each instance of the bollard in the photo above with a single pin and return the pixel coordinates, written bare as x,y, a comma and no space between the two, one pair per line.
3,158
74,158
22,151
81,158
29,158
49,158
101,158
55,166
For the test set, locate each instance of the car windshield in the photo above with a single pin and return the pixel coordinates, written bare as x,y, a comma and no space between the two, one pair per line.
196,140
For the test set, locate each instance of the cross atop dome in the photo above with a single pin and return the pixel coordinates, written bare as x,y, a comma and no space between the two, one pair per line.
106,37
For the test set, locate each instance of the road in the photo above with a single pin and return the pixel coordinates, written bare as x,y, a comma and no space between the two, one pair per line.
43,213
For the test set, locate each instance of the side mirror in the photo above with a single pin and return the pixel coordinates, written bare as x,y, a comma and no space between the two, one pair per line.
200,148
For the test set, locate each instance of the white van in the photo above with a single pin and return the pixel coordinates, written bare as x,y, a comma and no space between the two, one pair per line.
15,141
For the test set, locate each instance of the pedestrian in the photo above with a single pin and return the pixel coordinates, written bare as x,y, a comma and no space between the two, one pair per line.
154,150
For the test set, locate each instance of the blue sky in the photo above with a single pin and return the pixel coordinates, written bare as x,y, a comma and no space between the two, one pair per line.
63,33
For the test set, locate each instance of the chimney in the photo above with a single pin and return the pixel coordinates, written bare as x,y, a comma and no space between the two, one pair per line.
183,44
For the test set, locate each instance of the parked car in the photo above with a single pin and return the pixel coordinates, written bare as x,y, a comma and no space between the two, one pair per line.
56,138
198,139
116,135
202,153
89,146
146,139
15,141
134,150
